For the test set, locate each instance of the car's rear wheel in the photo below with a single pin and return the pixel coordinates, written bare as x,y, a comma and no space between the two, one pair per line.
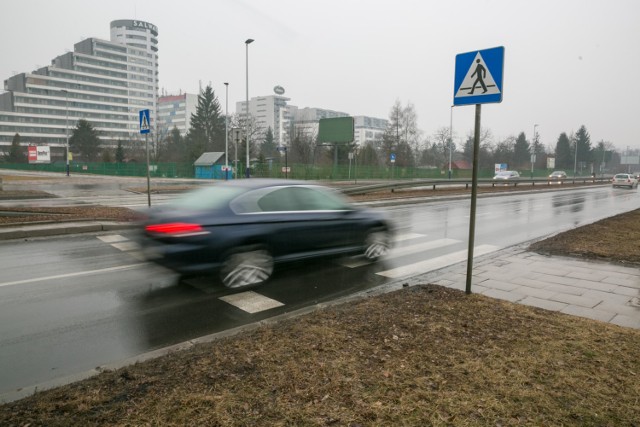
377,244
247,266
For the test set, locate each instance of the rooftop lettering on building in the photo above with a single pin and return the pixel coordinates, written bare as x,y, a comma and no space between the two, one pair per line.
146,25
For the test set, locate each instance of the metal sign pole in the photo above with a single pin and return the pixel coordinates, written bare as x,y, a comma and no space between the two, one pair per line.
146,143
474,196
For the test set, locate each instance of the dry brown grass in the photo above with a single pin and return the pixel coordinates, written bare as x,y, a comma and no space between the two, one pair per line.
614,239
424,355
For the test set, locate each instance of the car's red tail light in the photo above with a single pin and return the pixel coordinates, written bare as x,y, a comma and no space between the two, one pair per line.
176,229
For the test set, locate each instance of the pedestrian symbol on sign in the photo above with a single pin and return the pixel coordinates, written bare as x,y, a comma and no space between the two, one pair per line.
145,127
478,77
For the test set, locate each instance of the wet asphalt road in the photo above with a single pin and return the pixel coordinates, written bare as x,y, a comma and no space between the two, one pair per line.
72,303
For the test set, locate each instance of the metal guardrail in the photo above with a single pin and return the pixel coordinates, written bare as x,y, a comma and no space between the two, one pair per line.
434,183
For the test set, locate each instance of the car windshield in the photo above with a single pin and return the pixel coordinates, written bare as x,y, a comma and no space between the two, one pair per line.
213,197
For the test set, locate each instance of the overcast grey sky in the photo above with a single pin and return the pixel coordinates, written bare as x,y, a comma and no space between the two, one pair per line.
567,62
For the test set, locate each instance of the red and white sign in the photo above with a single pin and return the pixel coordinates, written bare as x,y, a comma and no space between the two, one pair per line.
286,169
39,154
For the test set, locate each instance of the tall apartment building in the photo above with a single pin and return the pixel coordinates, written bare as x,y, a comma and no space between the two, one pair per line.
368,129
104,82
269,111
175,111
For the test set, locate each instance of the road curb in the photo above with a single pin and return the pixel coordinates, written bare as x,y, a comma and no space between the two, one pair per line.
59,229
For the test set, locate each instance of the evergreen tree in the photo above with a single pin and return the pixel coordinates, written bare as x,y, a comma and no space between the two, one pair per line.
564,153
522,152
583,144
120,153
268,148
539,151
84,141
16,152
206,131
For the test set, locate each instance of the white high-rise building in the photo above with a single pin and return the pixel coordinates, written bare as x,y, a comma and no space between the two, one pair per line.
269,111
175,111
368,129
104,82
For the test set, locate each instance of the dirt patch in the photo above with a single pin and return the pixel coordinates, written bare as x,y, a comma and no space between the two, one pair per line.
30,215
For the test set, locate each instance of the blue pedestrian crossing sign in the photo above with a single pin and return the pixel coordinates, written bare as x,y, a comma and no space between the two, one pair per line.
478,77
145,126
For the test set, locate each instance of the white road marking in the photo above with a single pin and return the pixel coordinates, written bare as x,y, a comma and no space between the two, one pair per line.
79,273
126,246
251,302
398,252
436,263
113,238
408,236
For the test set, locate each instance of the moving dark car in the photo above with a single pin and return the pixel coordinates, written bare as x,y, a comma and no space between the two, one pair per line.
242,229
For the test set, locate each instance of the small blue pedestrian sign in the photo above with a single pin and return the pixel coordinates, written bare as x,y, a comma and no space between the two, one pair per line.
145,127
478,77
392,157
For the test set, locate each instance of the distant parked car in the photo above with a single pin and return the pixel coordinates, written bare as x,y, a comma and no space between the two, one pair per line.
558,176
624,180
507,175
637,175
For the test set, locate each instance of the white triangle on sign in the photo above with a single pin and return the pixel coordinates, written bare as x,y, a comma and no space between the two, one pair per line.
478,74
145,123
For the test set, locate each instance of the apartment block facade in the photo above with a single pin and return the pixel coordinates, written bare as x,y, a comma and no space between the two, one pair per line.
175,111
104,82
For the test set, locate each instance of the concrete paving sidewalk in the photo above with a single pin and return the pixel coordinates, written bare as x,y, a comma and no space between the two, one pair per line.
593,289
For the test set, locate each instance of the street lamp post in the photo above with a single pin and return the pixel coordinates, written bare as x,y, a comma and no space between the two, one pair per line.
533,148
575,161
66,126
247,136
450,137
226,133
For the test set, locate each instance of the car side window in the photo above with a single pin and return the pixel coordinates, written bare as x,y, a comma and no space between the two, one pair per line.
299,198
313,199
287,199
278,200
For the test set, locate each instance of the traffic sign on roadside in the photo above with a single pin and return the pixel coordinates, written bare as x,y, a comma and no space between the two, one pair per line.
478,77
145,126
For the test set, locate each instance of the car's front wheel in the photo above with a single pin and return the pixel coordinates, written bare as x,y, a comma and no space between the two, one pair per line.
247,266
377,244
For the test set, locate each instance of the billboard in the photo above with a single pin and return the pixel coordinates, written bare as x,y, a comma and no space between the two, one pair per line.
499,167
39,154
336,130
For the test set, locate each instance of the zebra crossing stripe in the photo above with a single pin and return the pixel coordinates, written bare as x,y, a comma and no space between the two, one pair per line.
400,251
251,302
435,263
